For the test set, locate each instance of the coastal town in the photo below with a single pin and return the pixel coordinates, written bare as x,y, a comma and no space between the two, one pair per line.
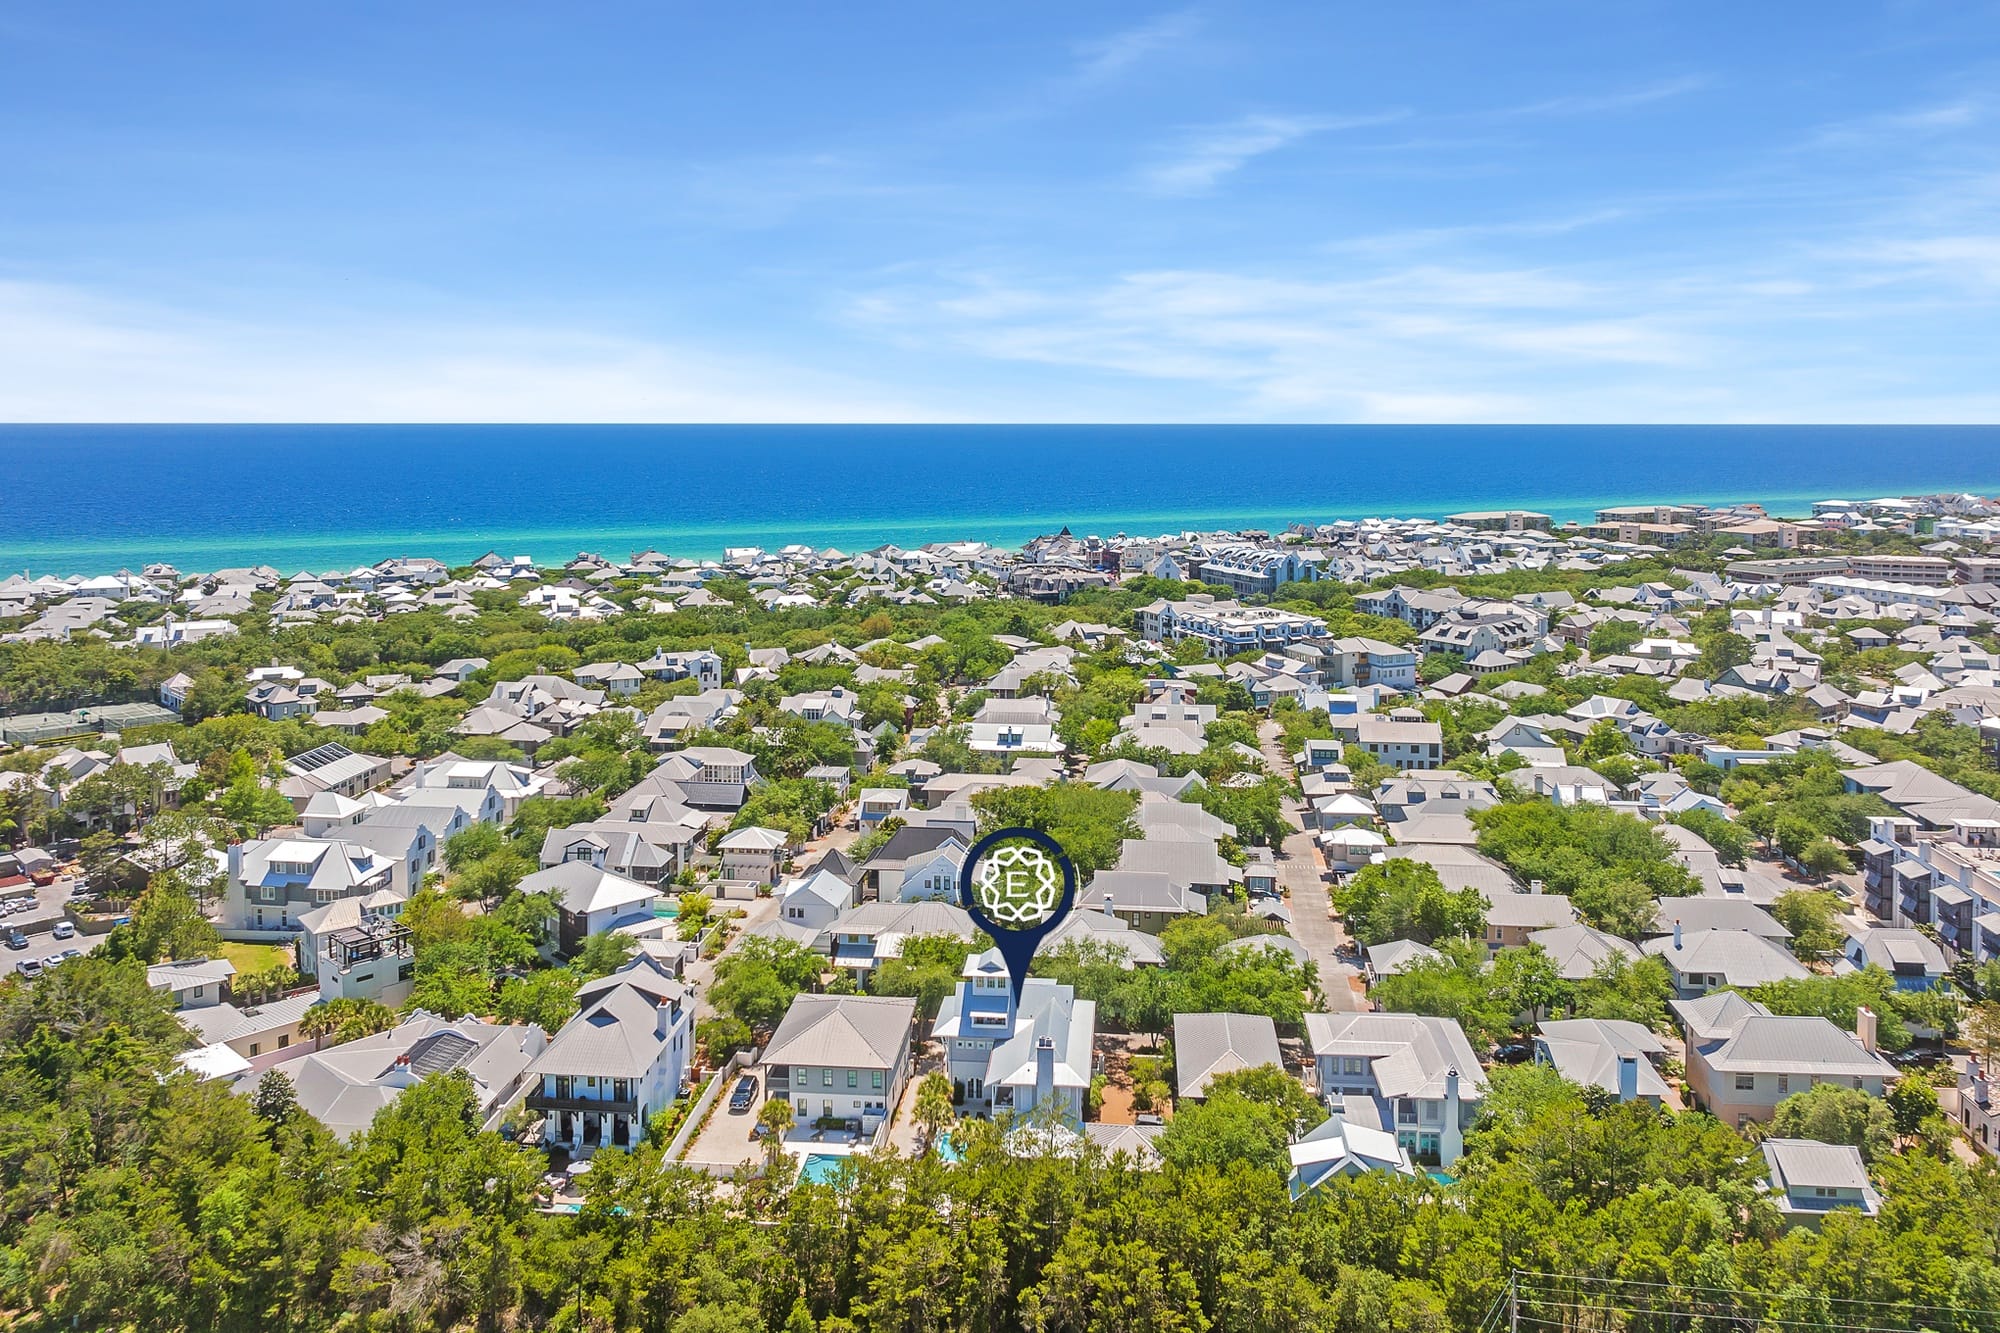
1401,843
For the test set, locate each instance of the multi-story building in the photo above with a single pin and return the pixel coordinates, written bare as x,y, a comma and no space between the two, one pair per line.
1251,570
1472,628
619,1062
275,881
1742,1060
1032,1059
1401,745
1420,1072
843,1057
1351,663
1226,628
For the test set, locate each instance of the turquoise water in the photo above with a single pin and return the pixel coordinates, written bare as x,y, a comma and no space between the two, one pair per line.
667,910
821,1168
947,1150
82,499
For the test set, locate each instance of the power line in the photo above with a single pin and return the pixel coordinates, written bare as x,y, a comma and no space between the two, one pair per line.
1579,1301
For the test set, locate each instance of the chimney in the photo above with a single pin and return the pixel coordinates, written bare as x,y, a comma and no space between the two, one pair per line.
236,861
1451,1141
1864,1028
1677,936
1628,1078
1107,904
1045,1069
1534,886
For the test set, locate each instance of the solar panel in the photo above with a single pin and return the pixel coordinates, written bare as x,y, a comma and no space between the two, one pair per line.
441,1052
320,756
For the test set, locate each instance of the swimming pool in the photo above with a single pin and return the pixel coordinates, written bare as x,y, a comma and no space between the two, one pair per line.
821,1168
667,911
947,1151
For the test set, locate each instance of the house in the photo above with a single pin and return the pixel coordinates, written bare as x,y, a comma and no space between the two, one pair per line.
1419,1072
618,1063
1394,956
1400,745
1809,1179
755,854
618,679
273,882
1511,918
841,1057
1147,901
1742,1060
510,783
1208,1045
1616,1055
590,901
651,851
174,691
1579,951
331,767
253,1036
913,846
1704,960
862,936
1915,961
1034,1058
343,1087
718,778
1193,863
358,952
1337,1148
872,805
193,982
815,900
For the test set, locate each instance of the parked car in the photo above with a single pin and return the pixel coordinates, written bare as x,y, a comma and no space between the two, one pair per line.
745,1095
67,954
16,940
64,931
1513,1053
29,968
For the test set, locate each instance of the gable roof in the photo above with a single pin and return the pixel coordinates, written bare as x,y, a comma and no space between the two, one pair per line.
1208,1045
843,1032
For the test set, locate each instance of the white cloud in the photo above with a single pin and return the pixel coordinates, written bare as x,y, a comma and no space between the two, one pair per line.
1108,57
67,356
1621,100
1898,126
1204,157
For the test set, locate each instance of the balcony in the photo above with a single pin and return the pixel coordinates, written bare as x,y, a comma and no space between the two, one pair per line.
610,1106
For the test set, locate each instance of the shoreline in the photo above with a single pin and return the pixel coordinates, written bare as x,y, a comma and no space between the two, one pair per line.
294,553
90,500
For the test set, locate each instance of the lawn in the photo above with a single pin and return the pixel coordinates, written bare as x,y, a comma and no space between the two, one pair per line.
255,957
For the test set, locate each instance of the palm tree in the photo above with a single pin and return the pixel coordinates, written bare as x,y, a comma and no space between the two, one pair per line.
774,1117
933,1109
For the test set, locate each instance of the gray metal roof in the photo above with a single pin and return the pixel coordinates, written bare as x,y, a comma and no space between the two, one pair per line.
843,1032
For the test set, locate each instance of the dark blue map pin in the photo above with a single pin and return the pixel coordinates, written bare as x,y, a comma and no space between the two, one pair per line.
1018,885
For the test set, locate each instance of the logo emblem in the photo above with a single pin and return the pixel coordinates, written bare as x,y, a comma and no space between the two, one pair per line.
1017,884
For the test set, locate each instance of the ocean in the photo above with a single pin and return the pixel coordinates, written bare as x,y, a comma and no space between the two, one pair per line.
90,499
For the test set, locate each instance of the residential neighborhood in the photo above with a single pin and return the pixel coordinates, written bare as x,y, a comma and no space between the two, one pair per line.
1376,824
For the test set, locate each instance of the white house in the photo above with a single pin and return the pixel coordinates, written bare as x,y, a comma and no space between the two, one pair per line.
619,1062
843,1057
1036,1058
755,854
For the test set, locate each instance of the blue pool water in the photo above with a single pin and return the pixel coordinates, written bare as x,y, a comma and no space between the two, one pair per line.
207,497
821,1168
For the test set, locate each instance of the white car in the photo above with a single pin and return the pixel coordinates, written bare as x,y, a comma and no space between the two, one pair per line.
64,930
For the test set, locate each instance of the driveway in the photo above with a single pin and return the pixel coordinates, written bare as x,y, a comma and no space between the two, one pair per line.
1302,877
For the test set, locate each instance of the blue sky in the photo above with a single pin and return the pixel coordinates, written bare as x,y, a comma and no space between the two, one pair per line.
1026,212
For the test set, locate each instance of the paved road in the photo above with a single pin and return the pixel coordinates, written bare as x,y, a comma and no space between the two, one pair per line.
1300,874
